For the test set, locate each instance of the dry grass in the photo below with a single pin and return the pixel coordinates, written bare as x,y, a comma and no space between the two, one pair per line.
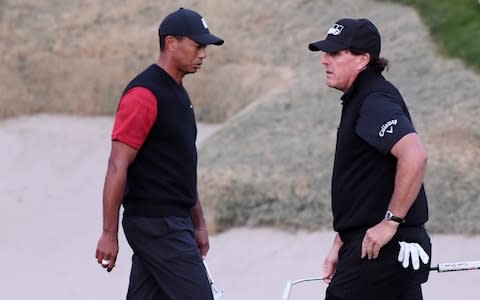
271,163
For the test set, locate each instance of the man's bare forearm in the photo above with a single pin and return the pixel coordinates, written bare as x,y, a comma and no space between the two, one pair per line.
411,167
112,197
121,157
197,216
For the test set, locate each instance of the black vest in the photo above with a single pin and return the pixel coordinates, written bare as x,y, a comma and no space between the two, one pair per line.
162,180
363,178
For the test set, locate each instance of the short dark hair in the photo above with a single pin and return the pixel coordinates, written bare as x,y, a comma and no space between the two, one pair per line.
378,64
161,39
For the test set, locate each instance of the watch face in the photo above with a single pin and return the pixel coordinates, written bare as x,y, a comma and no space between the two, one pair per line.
388,215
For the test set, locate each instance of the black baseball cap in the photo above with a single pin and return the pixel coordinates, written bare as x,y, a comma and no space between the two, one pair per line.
357,34
186,22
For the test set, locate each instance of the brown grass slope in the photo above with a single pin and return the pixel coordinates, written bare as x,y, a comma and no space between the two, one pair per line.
271,162
77,56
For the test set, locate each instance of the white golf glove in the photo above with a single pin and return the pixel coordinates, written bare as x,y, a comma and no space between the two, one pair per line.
413,251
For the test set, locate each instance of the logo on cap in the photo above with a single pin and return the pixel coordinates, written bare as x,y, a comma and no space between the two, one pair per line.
204,23
336,29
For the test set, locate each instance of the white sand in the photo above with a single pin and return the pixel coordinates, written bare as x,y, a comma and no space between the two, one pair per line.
52,172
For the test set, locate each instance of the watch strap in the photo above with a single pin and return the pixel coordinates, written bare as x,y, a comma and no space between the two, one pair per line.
391,217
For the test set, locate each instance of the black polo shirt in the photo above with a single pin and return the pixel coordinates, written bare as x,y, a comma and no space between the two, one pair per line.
374,118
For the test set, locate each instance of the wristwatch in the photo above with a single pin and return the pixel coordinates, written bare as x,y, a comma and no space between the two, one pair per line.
391,217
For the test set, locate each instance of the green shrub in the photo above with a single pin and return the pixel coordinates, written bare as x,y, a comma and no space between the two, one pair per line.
454,26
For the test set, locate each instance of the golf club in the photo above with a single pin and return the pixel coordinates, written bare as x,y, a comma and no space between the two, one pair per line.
217,293
290,283
442,267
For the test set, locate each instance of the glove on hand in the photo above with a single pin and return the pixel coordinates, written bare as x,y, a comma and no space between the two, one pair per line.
414,251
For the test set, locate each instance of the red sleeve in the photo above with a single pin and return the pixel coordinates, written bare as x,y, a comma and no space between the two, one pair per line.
136,114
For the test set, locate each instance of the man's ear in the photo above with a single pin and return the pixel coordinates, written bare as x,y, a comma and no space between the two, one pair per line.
170,42
364,60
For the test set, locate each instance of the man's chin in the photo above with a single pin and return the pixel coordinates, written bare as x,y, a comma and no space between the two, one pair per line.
194,69
331,84
191,71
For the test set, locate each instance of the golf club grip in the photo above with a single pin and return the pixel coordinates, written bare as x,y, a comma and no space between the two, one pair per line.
457,266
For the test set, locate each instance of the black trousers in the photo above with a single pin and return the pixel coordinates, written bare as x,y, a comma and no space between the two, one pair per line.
381,278
166,262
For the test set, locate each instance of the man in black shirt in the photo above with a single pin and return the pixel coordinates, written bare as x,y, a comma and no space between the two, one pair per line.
378,200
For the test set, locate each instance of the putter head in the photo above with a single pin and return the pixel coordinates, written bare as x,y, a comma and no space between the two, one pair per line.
217,294
287,289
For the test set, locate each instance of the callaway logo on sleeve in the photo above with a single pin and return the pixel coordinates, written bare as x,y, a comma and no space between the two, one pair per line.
382,122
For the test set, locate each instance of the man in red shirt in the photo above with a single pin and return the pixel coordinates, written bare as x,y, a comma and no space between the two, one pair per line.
152,171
